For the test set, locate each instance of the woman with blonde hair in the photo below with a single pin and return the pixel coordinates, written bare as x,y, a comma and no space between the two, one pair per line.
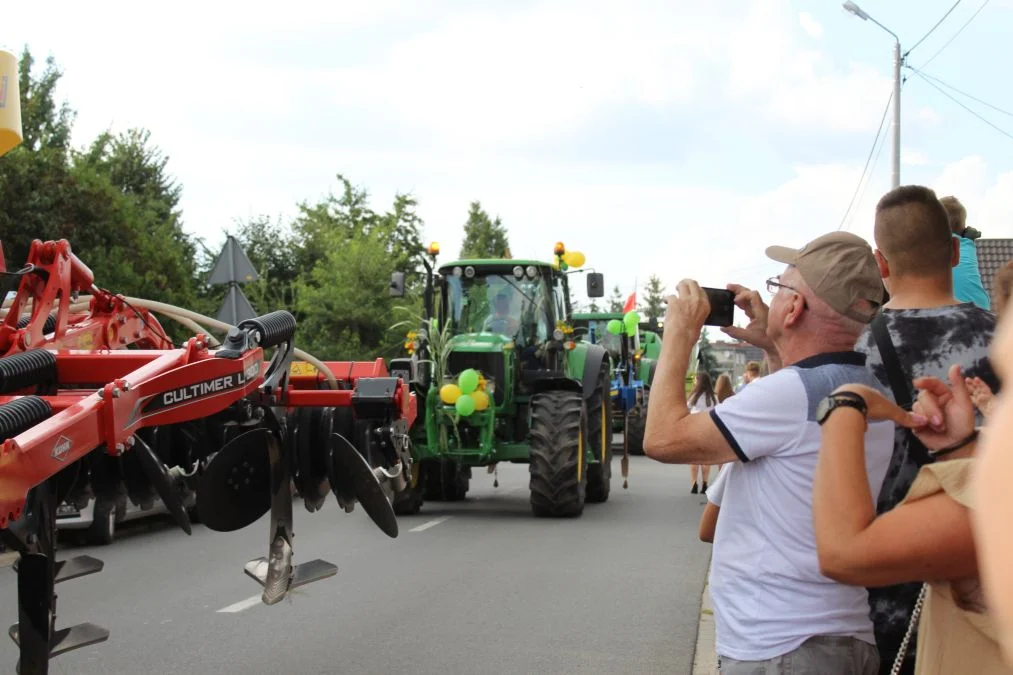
723,387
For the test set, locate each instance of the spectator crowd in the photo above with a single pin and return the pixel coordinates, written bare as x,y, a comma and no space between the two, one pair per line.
858,515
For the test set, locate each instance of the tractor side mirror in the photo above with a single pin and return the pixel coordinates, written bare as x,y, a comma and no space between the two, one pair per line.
397,285
595,285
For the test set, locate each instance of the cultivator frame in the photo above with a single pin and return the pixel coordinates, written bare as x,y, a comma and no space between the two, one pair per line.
108,381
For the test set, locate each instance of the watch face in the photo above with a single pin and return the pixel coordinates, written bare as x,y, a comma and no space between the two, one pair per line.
823,409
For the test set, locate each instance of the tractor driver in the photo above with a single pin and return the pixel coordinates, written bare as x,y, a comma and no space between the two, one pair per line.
501,320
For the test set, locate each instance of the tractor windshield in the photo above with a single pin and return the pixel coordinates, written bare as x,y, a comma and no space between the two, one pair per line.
494,303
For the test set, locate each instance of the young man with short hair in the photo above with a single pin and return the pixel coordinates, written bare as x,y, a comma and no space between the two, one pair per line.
775,612
928,330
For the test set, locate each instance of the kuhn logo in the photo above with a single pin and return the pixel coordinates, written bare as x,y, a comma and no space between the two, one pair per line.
61,448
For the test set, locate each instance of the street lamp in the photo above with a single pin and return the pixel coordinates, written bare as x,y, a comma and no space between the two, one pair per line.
857,11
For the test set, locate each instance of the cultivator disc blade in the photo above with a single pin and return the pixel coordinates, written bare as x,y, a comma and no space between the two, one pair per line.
353,479
235,488
159,477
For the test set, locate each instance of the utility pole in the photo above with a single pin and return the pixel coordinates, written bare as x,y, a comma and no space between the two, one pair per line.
898,60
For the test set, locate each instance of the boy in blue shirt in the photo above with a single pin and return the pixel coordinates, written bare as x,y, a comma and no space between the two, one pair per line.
967,286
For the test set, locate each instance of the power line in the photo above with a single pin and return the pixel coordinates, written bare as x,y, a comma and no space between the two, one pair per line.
959,31
964,93
932,30
947,95
868,159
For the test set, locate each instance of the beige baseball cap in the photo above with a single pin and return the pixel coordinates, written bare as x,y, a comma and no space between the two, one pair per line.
840,269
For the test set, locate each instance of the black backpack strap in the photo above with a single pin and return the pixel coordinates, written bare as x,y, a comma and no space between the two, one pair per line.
899,383
894,372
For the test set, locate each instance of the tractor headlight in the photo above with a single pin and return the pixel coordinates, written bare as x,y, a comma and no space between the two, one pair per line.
532,271
469,272
518,272
558,335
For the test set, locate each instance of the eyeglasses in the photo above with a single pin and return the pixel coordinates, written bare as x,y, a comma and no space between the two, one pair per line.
774,284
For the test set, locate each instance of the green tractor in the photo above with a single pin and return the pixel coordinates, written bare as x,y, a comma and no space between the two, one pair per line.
500,378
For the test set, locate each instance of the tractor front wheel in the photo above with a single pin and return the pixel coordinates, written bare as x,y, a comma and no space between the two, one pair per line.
599,434
409,501
558,471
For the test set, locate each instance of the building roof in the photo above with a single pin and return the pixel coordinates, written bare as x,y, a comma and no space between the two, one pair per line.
992,255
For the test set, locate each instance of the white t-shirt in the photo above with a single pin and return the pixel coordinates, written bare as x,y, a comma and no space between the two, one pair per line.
701,404
717,488
769,596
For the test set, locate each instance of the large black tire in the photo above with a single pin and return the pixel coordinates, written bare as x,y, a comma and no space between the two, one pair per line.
444,481
599,437
558,477
635,425
409,501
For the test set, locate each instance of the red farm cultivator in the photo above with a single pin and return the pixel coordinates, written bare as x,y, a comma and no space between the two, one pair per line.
95,399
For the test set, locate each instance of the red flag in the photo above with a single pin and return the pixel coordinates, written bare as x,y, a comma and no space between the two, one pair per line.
631,303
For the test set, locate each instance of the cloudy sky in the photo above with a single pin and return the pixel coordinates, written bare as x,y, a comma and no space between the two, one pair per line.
658,136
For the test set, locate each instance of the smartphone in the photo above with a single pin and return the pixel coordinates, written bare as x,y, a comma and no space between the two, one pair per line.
722,303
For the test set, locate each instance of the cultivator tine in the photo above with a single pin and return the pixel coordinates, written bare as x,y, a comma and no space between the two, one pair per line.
276,573
353,479
159,477
35,634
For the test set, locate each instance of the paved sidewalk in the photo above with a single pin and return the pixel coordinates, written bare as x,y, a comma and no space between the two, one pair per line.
705,660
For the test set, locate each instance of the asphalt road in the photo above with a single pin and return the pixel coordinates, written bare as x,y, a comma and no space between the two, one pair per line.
479,586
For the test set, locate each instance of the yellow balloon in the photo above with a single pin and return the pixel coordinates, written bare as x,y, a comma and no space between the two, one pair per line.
449,393
574,258
481,399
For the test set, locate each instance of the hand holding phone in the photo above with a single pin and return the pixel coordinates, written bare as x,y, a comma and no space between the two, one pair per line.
722,304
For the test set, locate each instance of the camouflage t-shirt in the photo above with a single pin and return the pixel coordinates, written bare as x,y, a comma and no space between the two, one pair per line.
927,342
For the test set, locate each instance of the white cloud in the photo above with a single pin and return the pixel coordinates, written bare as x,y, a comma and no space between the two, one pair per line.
928,117
913,158
810,25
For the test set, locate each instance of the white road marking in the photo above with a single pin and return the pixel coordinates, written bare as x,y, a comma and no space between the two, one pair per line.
241,605
431,523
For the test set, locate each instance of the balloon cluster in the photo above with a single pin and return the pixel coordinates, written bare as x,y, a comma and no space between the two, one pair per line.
568,260
629,324
468,395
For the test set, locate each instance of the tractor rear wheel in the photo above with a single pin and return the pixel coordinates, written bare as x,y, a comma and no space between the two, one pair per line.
635,426
558,474
599,437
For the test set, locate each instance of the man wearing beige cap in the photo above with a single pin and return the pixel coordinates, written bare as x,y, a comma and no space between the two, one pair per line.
774,611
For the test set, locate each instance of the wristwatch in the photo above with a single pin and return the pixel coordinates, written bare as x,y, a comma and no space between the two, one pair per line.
841,399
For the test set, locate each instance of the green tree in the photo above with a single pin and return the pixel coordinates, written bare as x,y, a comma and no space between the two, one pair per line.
273,250
347,253
616,300
654,299
484,237
113,201
594,308
706,358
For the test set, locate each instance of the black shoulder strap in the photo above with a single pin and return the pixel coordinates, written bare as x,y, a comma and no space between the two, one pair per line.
894,372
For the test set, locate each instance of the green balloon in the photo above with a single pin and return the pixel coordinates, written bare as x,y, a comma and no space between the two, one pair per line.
468,382
631,318
631,329
465,406
615,326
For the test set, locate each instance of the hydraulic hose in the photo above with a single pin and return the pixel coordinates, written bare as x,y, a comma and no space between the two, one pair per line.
199,324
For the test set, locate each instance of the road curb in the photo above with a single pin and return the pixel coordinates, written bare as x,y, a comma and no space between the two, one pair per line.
705,660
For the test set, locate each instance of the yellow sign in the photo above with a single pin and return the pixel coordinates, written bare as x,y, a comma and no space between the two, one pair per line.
300,368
